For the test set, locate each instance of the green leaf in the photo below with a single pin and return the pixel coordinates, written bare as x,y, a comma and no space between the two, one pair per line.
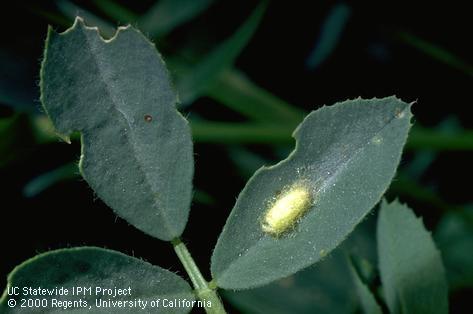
454,235
245,161
424,138
238,93
136,148
46,180
411,268
330,34
71,10
202,76
324,288
403,185
321,289
270,134
344,160
436,52
166,15
228,132
115,11
367,300
91,267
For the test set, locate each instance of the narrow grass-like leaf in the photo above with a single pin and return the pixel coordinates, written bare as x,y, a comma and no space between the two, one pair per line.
93,268
243,133
205,73
246,161
367,300
292,214
403,185
266,133
238,93
423,159
330,34
436,52
116,11
52,16
71,10
136,148
424,138
411,268
166,15
46,180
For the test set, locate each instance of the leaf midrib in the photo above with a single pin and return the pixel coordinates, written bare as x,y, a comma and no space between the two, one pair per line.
329,179
128,135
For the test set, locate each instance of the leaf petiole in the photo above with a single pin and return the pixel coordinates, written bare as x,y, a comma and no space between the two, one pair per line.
202,288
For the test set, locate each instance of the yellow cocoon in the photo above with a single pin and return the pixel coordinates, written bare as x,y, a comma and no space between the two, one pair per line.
286,210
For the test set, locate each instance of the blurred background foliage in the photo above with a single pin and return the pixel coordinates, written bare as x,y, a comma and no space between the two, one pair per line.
246,73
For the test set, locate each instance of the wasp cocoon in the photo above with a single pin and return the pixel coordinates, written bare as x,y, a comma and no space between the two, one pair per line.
286,210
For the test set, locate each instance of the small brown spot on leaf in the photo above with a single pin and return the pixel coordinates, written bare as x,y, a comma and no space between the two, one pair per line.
399,113
148,118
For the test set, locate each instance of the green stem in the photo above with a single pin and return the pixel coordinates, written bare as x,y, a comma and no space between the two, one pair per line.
202,288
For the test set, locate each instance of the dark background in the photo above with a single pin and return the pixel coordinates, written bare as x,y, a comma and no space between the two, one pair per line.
370,59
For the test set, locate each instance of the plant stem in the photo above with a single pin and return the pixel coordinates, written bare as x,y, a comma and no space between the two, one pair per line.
202,289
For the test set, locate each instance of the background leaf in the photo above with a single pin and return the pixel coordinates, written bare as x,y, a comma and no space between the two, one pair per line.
321,289
411,268
95,267
345,156
71,10
116,11
324,288
454,236
436,52
136,148
166,15
235,91
330,34
205,73
46,180
367,300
